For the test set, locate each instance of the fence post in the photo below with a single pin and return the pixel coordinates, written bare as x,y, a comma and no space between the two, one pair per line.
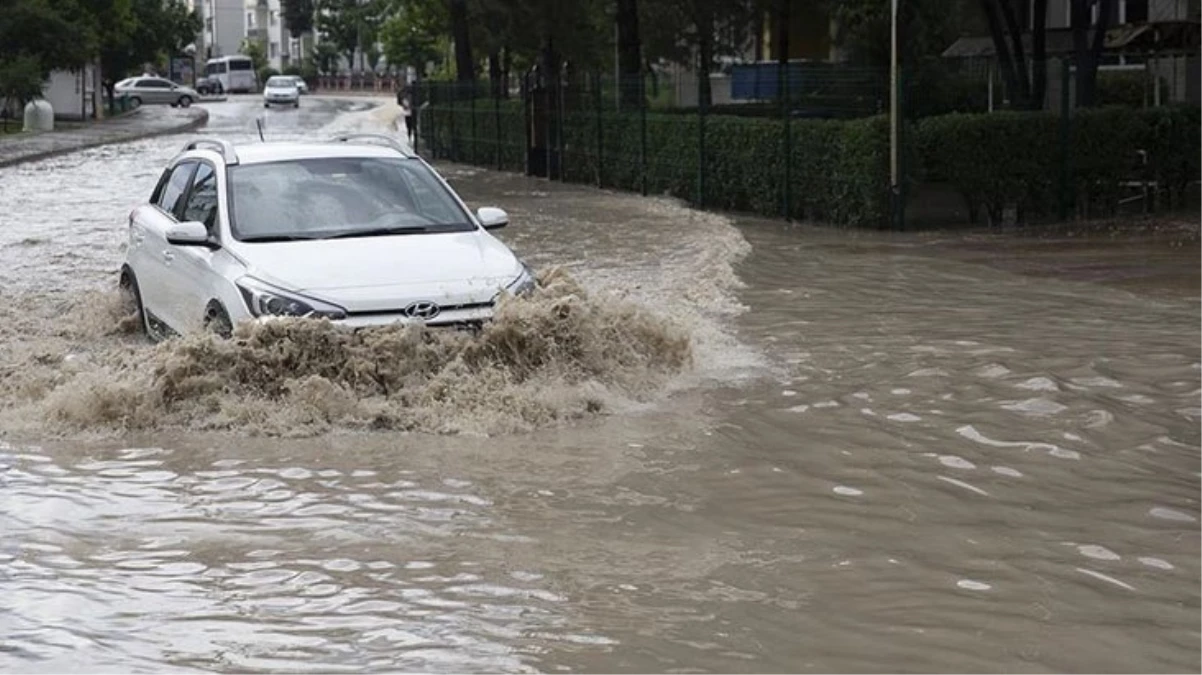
1065,133
783,91
597,100
472,110
701,110
432,97
642,130
496,112
454,136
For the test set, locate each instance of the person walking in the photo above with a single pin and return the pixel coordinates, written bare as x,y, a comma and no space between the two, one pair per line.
410,118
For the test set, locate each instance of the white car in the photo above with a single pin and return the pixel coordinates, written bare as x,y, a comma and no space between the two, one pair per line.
352,230
281,90
301,85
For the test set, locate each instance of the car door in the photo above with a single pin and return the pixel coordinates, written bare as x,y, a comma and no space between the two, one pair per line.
157,91
150,254
189,278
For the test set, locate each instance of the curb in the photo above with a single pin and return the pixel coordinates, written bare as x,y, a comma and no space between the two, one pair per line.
195,123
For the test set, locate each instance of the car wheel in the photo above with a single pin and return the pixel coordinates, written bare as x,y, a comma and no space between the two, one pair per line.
217,321
266,105
296,105
185,101
131,297
135,101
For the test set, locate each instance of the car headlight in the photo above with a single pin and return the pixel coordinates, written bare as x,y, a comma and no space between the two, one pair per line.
265,300
525,283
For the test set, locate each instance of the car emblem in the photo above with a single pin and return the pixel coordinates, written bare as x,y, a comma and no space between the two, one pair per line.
422,310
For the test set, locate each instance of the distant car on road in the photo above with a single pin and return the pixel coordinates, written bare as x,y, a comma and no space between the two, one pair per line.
209,86
281,90
156,90
356,230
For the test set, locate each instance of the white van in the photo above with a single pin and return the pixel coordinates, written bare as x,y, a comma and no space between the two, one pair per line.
235,74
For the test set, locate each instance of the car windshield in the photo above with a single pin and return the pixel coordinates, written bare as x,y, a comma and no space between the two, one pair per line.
278,81
340,197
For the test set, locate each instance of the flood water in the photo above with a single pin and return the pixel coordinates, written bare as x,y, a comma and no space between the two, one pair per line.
887,453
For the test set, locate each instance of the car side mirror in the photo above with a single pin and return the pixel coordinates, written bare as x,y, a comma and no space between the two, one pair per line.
492,218
190,233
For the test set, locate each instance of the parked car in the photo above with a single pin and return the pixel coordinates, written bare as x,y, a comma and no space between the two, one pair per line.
209,86
301,85
356,230
156,90
280,90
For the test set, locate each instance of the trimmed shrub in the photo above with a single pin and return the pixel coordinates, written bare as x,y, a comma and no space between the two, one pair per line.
839,171
1015,159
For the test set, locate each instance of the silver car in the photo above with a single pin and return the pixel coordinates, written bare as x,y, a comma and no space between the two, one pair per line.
156,90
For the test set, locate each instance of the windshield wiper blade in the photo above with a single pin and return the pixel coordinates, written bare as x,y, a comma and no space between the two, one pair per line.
379,232
267,238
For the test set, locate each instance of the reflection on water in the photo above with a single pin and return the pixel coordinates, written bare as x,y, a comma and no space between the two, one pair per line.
891,459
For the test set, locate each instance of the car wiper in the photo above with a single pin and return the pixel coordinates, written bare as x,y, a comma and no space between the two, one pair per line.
268,238
379,232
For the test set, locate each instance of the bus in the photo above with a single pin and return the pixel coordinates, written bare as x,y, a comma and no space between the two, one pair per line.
233,73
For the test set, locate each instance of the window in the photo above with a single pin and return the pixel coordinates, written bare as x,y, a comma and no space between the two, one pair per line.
241,64
154,84
340,197
202,199
250,19
215,68
275,50
275,17
170,195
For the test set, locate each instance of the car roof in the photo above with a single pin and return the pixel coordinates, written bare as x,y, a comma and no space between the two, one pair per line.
276,151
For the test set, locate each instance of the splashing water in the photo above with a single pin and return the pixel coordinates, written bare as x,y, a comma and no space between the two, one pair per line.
559,354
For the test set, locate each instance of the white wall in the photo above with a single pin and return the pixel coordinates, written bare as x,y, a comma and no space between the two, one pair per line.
65,93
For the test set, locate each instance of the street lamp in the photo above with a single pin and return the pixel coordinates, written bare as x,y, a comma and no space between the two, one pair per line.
894,123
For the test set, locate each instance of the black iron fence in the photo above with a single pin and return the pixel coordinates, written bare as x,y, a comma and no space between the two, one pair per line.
817,147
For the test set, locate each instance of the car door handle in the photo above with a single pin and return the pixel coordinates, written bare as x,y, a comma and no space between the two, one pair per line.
168,255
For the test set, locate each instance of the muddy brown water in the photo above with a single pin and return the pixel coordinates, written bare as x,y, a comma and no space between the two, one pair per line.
889,453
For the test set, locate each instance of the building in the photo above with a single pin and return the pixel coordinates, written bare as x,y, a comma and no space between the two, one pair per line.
1156,37
75,95
224,27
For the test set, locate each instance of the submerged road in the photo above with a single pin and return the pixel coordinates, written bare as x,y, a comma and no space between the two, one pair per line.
887,456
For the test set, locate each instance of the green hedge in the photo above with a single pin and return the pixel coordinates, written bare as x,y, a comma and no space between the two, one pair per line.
839,168
1015,159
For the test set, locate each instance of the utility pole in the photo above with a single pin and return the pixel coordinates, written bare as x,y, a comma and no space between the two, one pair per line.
894,124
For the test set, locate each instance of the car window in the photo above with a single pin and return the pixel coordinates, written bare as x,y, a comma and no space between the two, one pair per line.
170,197
201,205
342,196
280,82
156,84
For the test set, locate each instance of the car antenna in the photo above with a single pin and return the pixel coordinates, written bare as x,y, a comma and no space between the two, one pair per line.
259,124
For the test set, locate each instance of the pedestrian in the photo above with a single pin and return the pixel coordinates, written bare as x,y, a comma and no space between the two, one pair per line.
410,118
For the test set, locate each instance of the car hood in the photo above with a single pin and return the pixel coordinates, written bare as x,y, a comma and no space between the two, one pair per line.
377,272
280,90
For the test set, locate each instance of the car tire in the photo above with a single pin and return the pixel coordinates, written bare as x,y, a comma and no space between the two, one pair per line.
296,105
185,101
135,101
133,295
267,105
217,321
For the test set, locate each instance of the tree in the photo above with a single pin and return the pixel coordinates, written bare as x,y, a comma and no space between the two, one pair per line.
465,67
254,50
298,16
154,29
1089,51
630,54
408,36
1006,19
48,34
698,31
338,22
21,80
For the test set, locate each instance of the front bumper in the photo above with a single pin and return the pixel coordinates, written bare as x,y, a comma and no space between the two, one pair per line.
281,99
473,317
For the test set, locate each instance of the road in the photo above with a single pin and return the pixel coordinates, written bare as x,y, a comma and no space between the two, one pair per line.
884,456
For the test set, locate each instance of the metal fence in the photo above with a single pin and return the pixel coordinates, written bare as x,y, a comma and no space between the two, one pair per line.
816,146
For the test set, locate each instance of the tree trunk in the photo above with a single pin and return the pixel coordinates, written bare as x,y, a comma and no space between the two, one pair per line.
464,67
705,55
494,72
757,26
630,58
506,66
1089,53
1022,77
1039,55
782,42
1005,63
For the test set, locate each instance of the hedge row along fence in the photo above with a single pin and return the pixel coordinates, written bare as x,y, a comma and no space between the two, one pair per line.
838,170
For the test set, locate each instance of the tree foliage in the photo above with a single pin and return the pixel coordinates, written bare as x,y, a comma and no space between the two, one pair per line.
298,15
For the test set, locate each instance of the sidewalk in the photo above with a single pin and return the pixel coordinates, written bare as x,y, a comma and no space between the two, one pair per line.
143,122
